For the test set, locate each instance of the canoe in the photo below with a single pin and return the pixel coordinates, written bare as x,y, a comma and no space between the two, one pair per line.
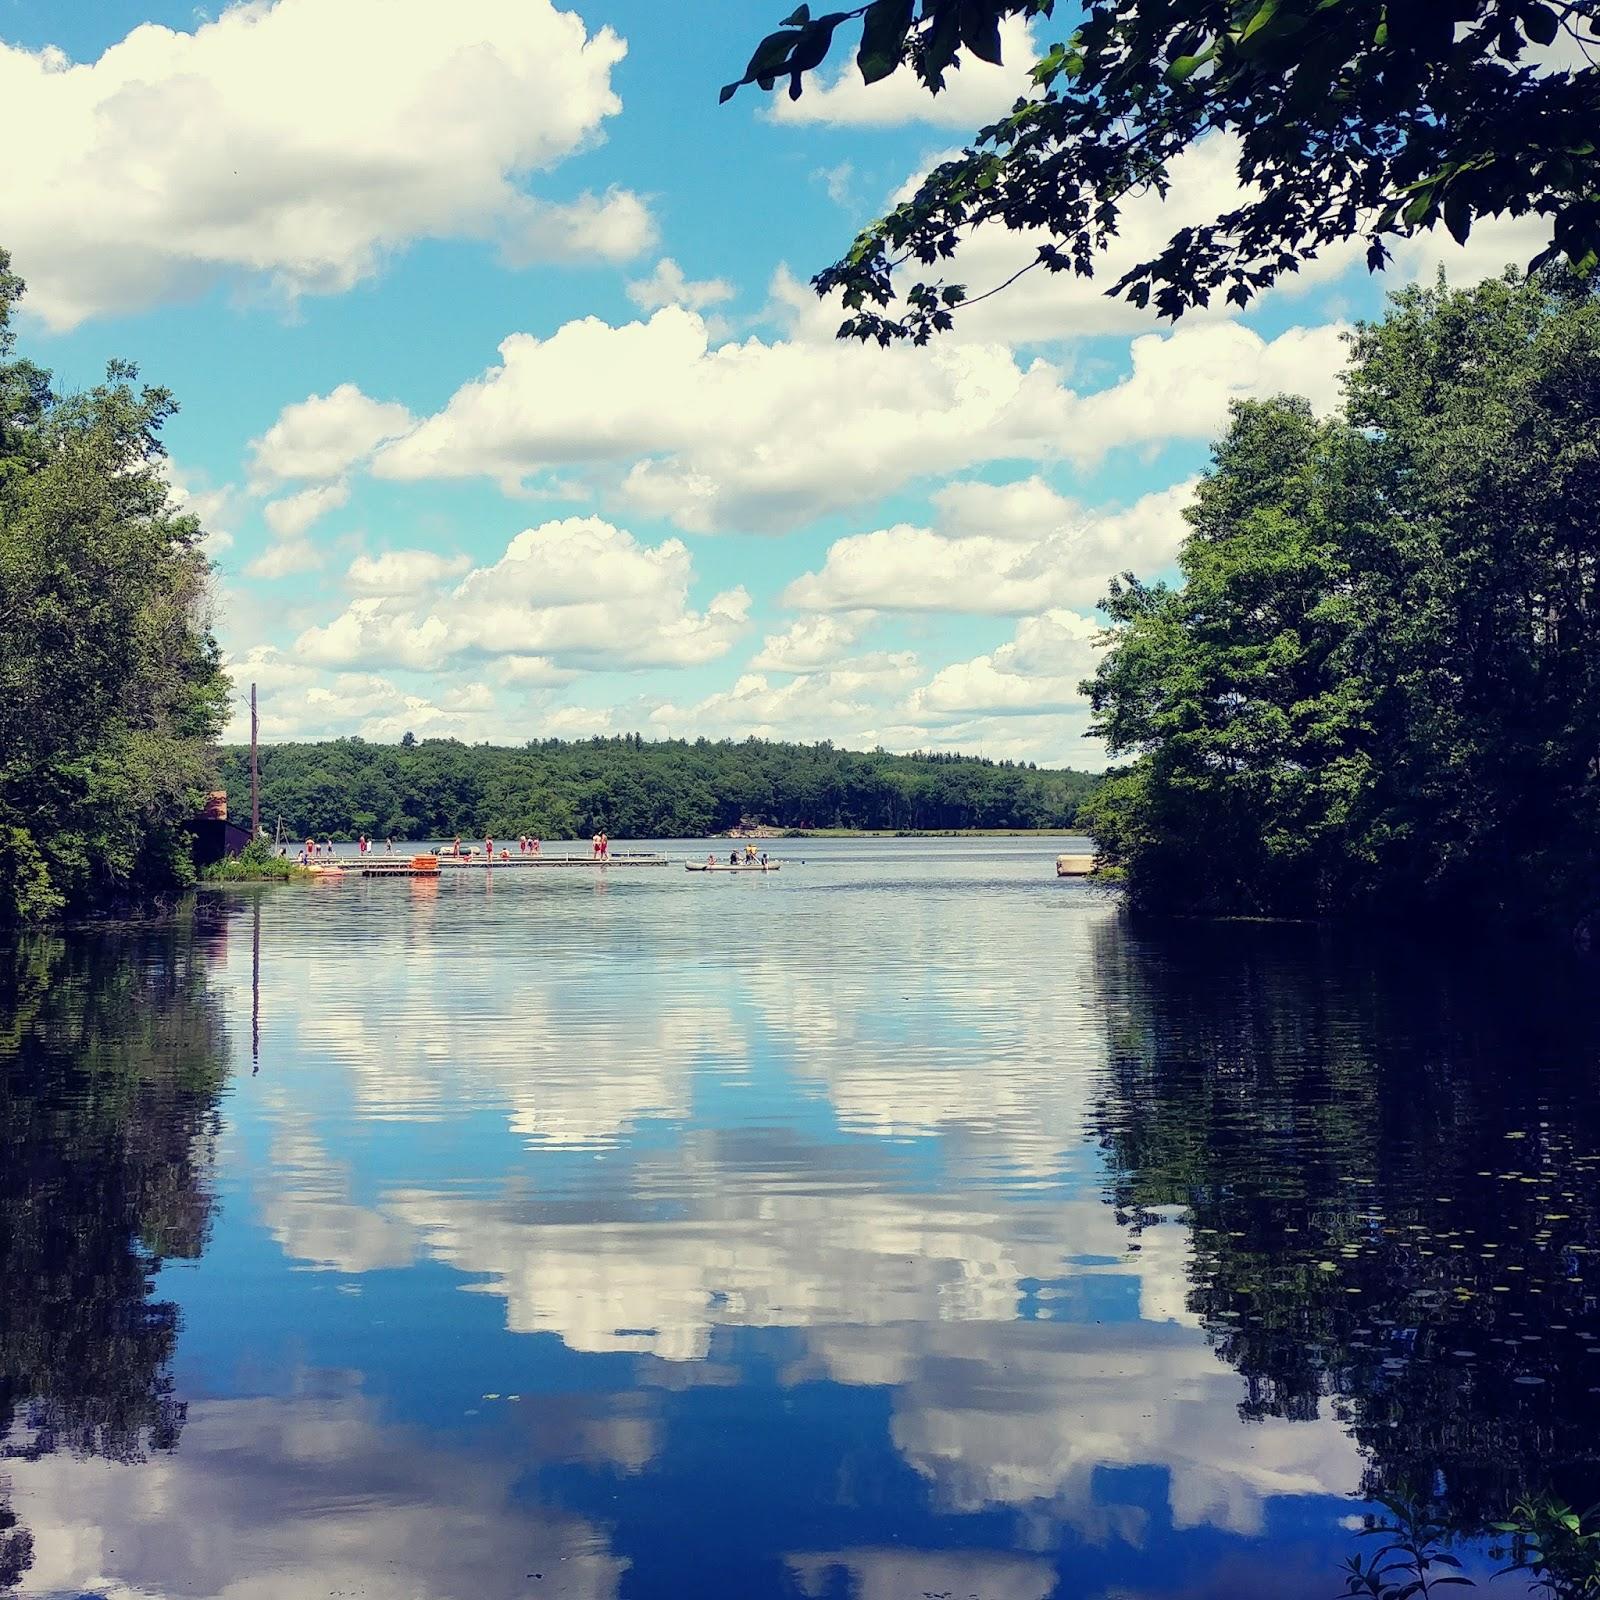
723,866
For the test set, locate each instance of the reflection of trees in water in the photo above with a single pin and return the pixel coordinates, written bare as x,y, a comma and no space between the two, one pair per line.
111,1058
1390,1166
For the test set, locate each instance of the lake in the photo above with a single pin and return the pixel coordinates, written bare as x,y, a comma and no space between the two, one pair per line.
905,1224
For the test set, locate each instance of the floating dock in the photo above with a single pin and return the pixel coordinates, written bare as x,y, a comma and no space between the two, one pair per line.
1074,866
631,858
397,867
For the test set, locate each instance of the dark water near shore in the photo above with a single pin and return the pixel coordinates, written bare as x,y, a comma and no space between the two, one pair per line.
903,1225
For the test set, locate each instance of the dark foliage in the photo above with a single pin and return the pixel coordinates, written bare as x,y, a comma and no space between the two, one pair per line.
633,788
111,1060
110,686
1377,689
1356,119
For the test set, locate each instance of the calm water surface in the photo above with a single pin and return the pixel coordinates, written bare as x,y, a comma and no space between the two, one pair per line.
902,1225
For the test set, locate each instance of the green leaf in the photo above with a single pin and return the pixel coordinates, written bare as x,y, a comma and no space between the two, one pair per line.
941,40
1267,27
770,54
883,38
1264,14
1541,24
980,29
1421,205
1185,66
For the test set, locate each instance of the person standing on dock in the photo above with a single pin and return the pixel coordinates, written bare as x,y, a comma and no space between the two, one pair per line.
488,848
533,847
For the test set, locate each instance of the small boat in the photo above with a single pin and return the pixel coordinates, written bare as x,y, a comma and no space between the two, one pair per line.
728,866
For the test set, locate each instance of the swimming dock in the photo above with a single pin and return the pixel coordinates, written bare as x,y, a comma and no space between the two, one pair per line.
620,858
394,867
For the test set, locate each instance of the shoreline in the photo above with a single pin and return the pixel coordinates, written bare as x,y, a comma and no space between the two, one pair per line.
921,833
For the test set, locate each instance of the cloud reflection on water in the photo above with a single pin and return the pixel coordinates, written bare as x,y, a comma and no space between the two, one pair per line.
947,1241
291,1499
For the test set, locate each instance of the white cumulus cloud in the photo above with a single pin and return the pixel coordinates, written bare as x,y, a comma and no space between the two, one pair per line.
296,143
850,701
976,93
761,437
398,572
291,516
752,435
1039,670
1004,550
321,437
578,592
810,642
285,558
667,285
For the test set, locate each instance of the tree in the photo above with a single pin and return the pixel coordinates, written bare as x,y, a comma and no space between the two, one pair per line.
110,683
1378,686
1356,119
437,788
1331,1118
112,1056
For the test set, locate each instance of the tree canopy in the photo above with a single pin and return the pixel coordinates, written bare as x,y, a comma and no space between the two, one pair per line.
110,684
1378,685
1331,1116
1356,119
639,789
112,1056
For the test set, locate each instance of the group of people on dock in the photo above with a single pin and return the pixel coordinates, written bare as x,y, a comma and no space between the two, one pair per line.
310,850
527,845
602,846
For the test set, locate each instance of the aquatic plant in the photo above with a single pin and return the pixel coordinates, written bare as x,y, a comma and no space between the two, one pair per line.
254,864
1404,1567
1555,1545
1560,1547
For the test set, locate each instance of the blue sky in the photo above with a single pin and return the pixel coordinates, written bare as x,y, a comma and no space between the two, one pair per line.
511,414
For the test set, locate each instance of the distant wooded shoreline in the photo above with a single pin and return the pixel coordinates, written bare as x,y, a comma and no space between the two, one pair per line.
635,788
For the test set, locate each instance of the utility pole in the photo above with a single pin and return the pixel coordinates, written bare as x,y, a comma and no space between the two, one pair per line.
255,774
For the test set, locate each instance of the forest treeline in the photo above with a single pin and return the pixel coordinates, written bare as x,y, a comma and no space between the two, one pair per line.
111,686
1377,688
635,788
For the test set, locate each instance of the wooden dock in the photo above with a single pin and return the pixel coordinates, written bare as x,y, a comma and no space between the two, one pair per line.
636,858
395,867
432,866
